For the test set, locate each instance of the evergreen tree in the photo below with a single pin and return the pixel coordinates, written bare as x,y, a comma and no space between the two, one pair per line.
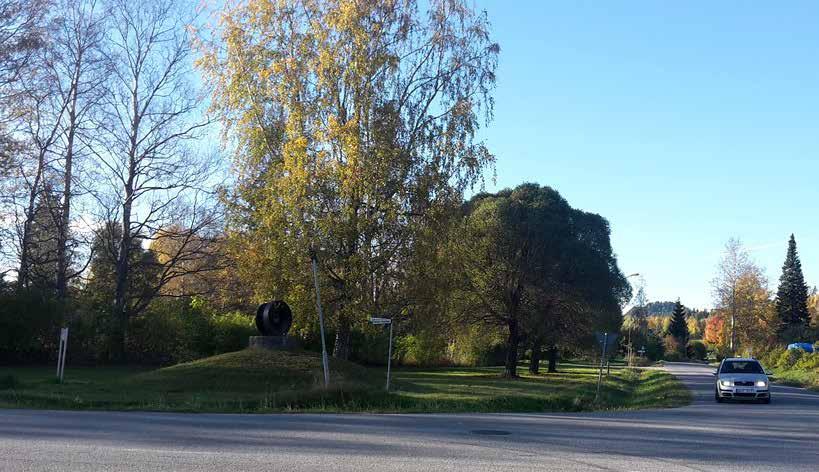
679,325
792,296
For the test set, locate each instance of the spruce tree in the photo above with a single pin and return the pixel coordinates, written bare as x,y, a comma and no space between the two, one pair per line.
679,327
792,296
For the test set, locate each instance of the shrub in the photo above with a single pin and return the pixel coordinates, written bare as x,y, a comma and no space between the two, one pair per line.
423,349
476,346
673,348
29,326
172,331
771,356
789,358
808,361
673,356
697,350
370,346
9,382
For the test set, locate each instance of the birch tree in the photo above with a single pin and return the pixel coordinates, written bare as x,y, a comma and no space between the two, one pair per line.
354,123
151,176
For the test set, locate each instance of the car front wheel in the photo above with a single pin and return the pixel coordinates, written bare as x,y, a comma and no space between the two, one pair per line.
717,398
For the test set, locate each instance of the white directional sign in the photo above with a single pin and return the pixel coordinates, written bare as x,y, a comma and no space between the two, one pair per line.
63,347
385,321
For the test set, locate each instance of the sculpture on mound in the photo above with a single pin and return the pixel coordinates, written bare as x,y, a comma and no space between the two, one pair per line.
273,320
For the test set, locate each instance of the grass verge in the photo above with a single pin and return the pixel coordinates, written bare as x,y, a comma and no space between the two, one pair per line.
253,381
807,378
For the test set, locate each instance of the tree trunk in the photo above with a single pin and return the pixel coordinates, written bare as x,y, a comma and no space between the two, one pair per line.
341,348
25,243
120,311
552,359
534,364
511,368
65,213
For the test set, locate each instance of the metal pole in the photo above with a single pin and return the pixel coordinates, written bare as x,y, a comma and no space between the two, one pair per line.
389,359
321,324
602,357
59,355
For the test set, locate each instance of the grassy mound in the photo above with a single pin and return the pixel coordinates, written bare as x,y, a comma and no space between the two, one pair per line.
250,371
261,381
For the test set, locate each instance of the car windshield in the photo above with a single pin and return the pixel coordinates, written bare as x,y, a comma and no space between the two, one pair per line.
741,367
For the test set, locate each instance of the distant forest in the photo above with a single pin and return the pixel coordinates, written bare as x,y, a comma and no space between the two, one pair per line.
667,308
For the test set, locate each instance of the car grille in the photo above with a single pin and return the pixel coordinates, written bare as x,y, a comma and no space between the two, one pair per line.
744,384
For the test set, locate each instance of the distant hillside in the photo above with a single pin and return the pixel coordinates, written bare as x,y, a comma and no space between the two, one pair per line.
666,309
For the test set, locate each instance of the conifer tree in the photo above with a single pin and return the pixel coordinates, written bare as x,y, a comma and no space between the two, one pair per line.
792,296
679,326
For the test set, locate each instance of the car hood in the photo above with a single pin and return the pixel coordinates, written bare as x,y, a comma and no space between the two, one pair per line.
743,377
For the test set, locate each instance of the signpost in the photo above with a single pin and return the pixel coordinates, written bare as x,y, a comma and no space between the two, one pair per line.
607,342
385,321
321,323
61,354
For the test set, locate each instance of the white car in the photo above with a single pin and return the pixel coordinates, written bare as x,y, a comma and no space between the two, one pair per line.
741,379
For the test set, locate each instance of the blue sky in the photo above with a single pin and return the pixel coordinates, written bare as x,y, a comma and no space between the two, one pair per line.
683,123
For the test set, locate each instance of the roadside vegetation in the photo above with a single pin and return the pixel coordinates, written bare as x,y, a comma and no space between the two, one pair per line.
750,319
367,158
793,367
268,381
351,143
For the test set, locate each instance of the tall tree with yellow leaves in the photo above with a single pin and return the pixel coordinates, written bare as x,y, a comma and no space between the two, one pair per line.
354,129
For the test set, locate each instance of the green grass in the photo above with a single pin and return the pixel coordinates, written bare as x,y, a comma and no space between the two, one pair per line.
808,378
261,381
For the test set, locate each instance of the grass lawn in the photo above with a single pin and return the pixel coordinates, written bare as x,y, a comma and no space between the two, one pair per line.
276,381
808,378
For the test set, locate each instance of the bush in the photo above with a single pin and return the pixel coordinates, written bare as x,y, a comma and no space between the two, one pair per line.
478,347
172,331
29,327
808,361
771,356
697,350
789,358
422,350
9,382
674,350
369,346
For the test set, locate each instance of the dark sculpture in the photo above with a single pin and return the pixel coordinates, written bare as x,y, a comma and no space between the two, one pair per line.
274,318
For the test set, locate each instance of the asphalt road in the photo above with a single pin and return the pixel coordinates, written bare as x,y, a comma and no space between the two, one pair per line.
703,436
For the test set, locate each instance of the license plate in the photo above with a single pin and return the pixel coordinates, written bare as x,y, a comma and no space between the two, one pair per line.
745,390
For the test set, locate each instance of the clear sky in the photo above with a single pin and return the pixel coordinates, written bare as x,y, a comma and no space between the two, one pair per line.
683,123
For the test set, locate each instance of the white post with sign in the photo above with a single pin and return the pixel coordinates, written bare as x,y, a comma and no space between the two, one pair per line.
385,321
61,354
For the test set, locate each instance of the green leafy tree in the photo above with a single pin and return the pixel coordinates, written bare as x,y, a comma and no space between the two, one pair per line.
101,284
792,296
679,325
526,261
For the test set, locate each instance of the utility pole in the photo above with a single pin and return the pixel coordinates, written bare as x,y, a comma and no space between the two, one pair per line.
324,362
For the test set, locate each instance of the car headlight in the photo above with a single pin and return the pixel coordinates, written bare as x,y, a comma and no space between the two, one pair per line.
761,383
725,383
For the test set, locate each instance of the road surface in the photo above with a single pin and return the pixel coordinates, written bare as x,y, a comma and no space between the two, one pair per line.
703,436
